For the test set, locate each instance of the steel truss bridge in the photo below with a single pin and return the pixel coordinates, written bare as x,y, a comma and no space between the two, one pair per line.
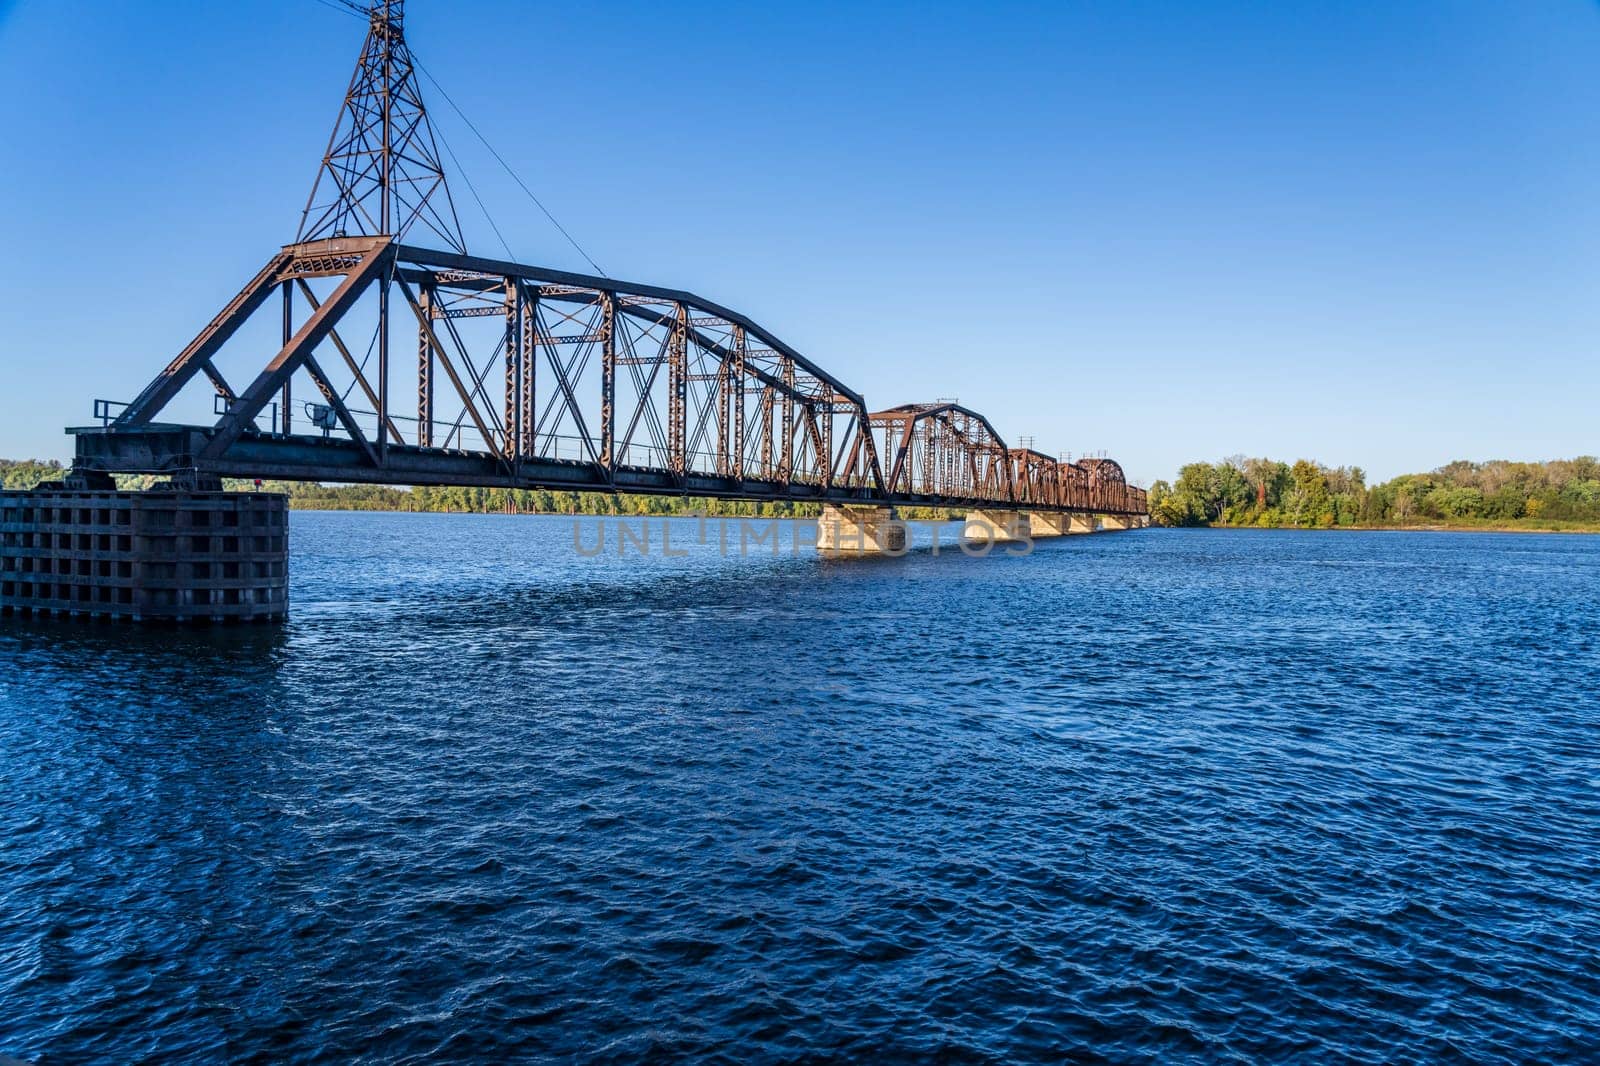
527,377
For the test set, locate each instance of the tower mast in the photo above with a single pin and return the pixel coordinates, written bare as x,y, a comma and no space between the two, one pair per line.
381,174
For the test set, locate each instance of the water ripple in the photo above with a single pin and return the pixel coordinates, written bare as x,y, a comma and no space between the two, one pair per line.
1171,796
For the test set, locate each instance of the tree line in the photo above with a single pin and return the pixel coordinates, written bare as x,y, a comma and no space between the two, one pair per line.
26,473
1264,492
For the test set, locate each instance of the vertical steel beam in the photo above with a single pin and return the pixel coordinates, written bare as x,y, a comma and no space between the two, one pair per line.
677,391
826,445
948,485
530,366
513,385
382,405
724,415
288,335
608,381
786,459
766,434
739,351
425,369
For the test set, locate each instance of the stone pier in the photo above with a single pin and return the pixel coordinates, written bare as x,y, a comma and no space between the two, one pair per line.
1082,523
997,527
144,556
846,529
1116,522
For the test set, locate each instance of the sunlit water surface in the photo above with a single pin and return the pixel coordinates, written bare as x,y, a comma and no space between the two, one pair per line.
1161,795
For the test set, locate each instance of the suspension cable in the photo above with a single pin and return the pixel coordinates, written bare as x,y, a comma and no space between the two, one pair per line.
349,7
507,167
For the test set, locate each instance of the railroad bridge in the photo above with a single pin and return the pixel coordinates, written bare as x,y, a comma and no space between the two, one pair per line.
519,376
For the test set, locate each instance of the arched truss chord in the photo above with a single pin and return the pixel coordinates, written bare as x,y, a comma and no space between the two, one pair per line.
943,452
1109,489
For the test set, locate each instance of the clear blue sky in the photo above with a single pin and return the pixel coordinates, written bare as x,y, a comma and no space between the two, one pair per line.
1359,233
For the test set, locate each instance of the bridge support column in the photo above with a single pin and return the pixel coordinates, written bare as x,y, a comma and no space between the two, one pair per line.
167,556
1116,522
1082,523
1047,524
846,529
998,527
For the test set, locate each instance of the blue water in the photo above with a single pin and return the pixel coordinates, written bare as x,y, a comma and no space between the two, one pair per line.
1155,796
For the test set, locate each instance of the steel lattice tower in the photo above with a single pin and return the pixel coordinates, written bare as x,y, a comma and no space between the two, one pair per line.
381,174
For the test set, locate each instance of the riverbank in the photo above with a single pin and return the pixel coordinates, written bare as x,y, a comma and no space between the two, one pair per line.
1432,527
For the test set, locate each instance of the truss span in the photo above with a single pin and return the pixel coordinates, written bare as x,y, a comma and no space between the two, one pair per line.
534,378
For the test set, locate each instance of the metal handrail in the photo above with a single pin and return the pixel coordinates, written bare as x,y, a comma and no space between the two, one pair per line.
102,410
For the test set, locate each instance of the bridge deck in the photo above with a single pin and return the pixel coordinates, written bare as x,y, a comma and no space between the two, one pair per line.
177,449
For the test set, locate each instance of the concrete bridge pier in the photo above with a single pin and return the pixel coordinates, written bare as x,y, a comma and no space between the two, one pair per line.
997,527
1114,523
1081,523
1047,524
846,529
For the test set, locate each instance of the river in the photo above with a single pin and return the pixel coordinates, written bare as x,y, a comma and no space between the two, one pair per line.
1164,795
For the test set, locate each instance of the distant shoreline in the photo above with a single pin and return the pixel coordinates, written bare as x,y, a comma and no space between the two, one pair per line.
1429,528
1560,496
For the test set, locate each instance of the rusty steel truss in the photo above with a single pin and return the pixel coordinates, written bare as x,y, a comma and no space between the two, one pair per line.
527,377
